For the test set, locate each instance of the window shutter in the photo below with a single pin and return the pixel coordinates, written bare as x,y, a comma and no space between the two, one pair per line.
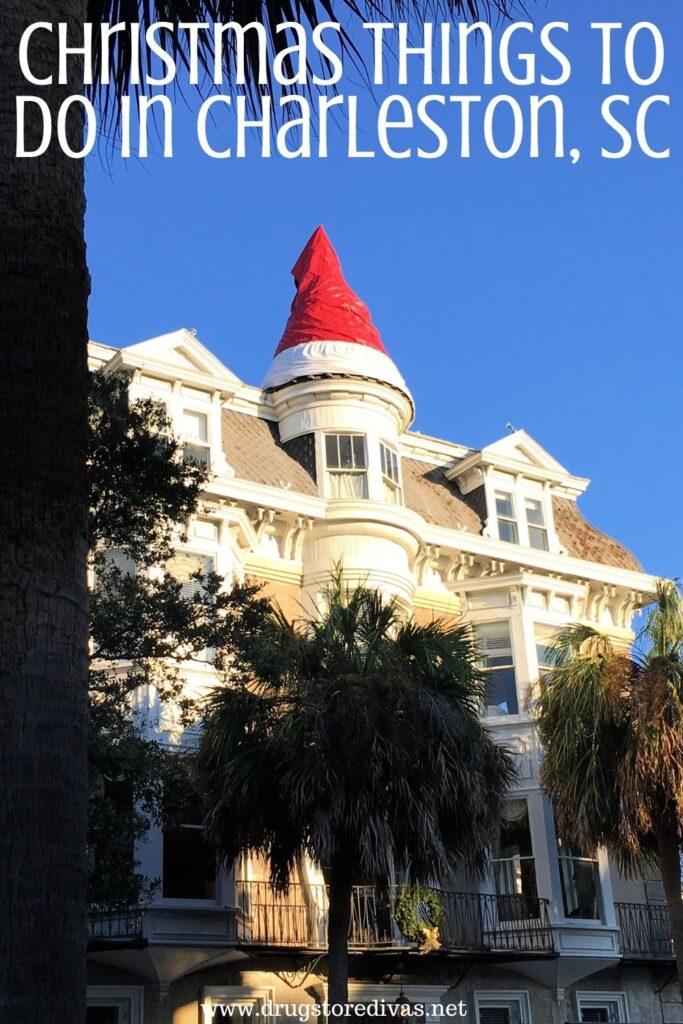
119,559
182,568
493,638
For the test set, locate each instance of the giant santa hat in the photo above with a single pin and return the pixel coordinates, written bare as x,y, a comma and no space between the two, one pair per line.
329,330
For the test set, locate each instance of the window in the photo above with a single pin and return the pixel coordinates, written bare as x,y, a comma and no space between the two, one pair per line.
507,521
580,882
390,476
195,433
189,866
493,639
114,1004
346,464
184,566
535,521
545,636
513,865
502,1007
607,1007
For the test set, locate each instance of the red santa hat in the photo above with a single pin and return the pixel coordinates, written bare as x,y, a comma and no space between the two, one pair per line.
329,330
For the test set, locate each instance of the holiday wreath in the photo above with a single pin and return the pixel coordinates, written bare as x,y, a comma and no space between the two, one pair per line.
419,914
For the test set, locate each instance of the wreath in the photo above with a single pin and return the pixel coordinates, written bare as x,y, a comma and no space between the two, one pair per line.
419,914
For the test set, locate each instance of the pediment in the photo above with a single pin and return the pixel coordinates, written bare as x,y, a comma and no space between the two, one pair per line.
520,447
180,352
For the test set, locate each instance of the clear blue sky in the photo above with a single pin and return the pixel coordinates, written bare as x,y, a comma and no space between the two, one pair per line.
535,292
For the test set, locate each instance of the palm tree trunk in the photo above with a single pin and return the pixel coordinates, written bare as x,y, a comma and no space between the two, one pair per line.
43,543
339,921
668,854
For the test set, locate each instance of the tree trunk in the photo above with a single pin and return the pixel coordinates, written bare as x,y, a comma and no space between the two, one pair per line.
339,920
668,855
43,541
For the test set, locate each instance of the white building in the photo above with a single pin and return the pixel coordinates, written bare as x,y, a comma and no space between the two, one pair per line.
320,466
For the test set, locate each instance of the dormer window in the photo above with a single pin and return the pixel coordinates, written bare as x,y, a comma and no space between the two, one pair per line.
347,465
507,521
535,521
390,474
195,434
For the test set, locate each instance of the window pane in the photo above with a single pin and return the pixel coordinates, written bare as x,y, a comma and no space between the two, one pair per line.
578,877
595,1013
196,453
501,692
345,453
534,512
504,505
383,458
348,485
507,531
195,425
189,867
358,451
538,538
331,451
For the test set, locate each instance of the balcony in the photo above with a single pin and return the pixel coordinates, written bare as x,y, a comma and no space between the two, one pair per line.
501,926
107,926
644,931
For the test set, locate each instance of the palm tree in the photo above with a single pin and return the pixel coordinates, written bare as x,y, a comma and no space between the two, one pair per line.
44,288
611,721
354,739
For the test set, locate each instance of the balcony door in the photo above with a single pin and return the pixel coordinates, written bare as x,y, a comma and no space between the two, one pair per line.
514,868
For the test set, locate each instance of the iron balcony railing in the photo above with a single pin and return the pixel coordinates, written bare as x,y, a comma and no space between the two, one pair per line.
644,930
472,922
114,923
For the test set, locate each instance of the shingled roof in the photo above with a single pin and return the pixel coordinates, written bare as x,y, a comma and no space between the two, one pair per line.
254,450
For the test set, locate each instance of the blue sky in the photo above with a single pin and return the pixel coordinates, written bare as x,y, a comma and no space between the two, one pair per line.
525,291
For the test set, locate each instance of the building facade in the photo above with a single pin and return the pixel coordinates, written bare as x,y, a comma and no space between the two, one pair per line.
319,467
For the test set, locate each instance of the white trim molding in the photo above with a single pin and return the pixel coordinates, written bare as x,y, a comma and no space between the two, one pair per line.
214,996
615,1003
504,999
319,358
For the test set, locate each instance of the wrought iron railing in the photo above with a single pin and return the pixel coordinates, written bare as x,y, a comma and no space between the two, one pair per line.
108,923
472,921
644,930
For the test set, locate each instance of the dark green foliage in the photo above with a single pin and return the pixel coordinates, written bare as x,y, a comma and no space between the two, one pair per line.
146,627
358,738
140,488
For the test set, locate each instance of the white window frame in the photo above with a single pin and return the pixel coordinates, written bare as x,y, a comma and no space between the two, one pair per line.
539,499
519,491
129,999
359,471
193,442
610,1001
500,621
388,481
502,999
214,996
513,519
